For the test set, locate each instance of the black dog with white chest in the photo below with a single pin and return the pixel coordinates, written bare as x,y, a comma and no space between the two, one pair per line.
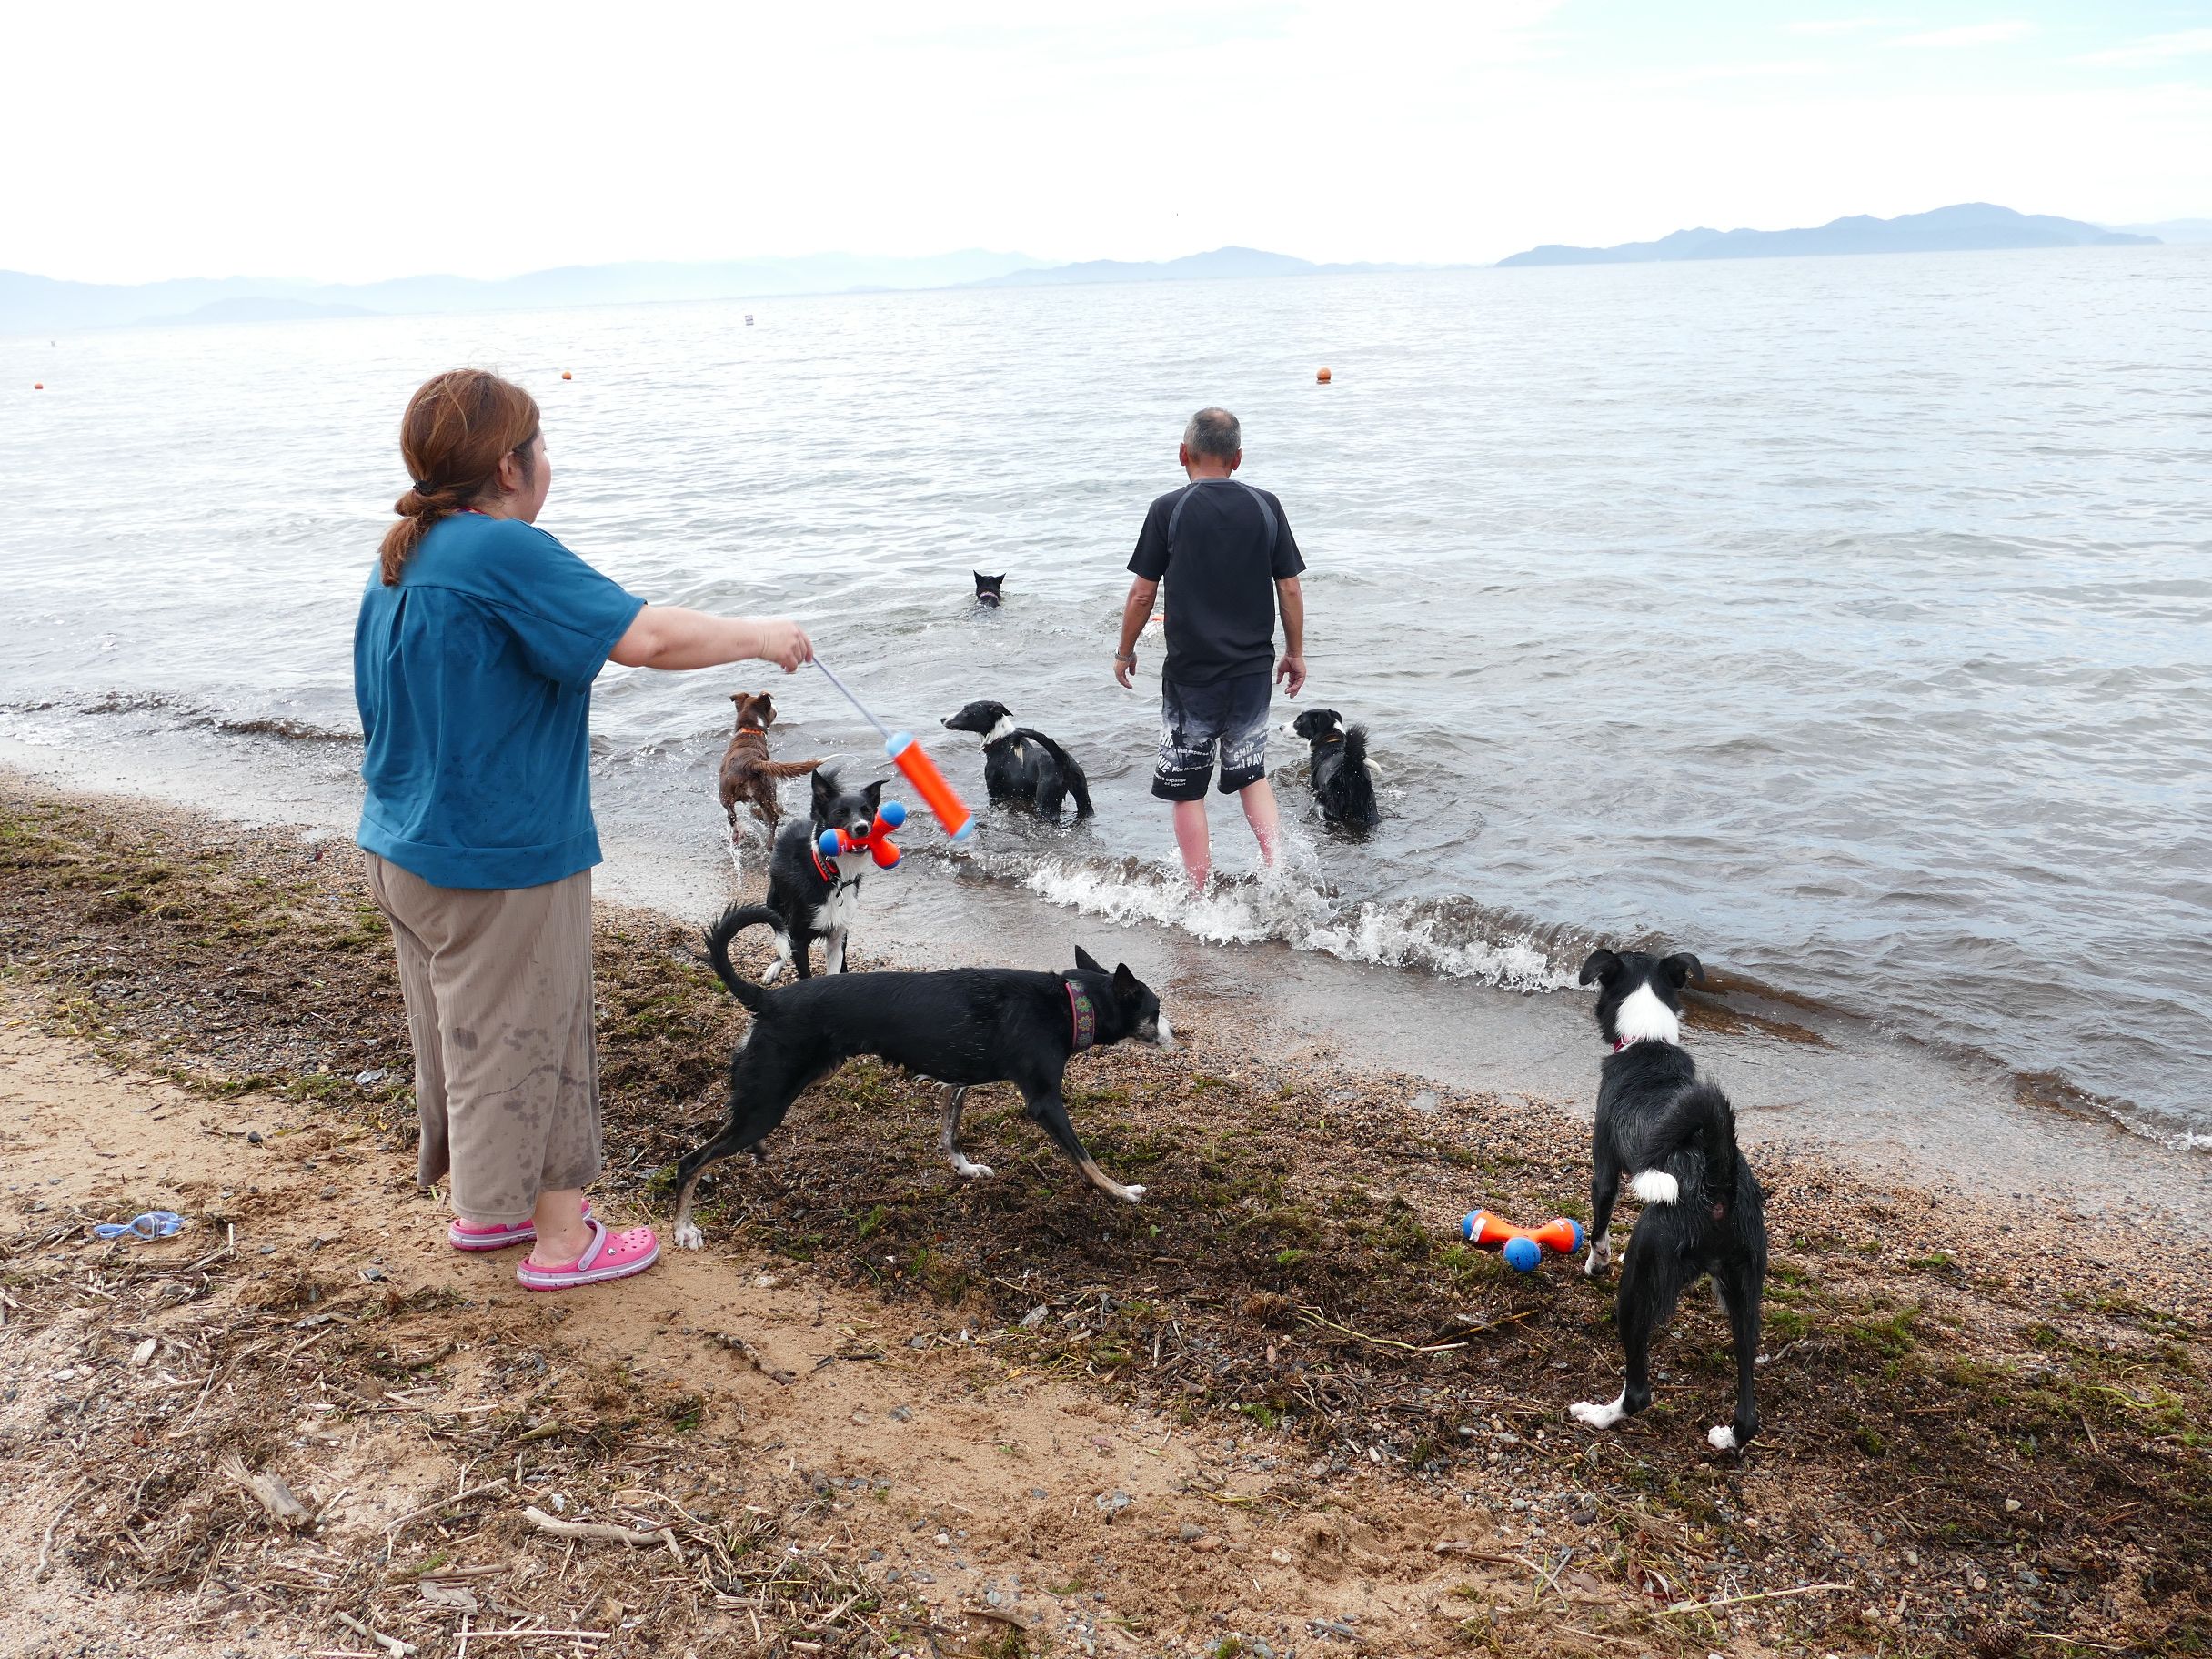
1024,766
810,896
1674,1138
962,1026
1342,781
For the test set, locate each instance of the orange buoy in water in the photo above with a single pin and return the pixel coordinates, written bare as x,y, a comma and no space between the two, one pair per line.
38,385
566,375
1322,377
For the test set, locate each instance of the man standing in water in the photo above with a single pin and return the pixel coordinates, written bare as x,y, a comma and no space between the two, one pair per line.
1229,550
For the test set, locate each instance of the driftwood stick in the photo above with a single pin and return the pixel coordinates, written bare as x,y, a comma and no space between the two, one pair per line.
390,1644
458,1497
267,1490
1737,1601
45,1545
598,1529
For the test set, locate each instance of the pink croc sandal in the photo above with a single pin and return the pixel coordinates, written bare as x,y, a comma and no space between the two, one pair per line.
495,1235
610,1255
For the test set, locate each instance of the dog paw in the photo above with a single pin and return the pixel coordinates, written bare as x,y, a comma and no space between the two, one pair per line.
973,1171
1135,1195
1596,1416
773,972
688,1236
1720,1437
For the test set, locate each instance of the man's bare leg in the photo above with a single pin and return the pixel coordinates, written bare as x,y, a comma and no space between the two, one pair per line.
1260,813
1193,841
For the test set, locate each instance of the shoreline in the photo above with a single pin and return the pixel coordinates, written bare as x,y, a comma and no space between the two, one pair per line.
1962,1397
1893,1108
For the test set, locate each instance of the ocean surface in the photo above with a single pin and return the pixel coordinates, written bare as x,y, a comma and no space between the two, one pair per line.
1847,621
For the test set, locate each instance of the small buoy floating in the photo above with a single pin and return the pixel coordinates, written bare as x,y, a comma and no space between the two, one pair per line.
1322,377
748,319
38,385
566,375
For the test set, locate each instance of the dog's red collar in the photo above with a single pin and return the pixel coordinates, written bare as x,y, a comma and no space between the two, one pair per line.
1081,1017
830,873
752,731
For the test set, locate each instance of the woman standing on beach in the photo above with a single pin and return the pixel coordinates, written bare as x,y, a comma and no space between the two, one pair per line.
477,641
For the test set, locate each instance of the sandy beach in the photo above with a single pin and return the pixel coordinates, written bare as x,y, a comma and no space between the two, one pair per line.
1277,1409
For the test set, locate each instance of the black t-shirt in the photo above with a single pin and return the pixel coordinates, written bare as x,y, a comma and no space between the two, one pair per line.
1231,545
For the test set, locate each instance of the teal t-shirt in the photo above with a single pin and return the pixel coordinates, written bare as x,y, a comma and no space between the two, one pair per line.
474,679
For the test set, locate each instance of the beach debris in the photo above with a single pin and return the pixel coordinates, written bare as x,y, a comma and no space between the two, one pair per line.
602,1529
143,1352
390,1644
151,1224
267,1490
1034,1318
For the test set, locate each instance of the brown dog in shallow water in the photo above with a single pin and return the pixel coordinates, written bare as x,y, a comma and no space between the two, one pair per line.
748,774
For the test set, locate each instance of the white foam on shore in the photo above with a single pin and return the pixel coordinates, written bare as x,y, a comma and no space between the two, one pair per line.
1284,907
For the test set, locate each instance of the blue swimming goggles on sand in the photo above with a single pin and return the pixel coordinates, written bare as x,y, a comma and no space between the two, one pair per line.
152,1224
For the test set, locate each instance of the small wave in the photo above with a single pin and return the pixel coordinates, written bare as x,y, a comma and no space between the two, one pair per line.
1456,939
183,712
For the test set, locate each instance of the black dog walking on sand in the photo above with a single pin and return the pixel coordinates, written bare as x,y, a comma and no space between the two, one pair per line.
1674,1138
962,1026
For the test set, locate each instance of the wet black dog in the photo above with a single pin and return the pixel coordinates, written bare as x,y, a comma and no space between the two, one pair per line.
810,896
1021,765
1342,783
987,589
1674,1138
963,1025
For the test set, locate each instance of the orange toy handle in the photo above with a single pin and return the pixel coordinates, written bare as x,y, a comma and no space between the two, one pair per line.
1483,1229
920,771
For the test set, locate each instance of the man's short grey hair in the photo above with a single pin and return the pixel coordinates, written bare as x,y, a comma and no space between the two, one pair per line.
1214,432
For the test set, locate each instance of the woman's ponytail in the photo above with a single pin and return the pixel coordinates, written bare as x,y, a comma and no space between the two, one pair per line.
459,425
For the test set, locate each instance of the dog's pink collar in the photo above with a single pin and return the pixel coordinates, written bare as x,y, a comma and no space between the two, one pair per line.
1623,1042
1081,1017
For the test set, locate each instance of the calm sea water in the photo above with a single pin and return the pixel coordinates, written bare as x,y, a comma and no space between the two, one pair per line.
1847,621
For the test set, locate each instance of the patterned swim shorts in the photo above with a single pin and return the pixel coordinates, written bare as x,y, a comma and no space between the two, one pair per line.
1230,715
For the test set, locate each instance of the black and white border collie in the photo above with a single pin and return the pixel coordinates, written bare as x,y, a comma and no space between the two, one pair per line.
810,896
1021,765
963,1025
1342,783
987,589
1674,1138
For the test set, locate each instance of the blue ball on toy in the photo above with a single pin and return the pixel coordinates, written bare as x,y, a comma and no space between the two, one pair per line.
1521,1254
893,814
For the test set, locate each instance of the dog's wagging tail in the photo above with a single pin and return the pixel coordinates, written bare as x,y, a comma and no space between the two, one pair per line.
963,1027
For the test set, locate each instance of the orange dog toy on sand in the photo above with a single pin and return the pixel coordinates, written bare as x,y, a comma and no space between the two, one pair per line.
1524,1246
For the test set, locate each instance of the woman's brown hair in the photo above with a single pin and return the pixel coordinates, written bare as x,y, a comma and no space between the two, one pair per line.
459,425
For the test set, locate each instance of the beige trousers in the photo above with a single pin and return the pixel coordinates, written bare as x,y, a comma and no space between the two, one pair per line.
498,984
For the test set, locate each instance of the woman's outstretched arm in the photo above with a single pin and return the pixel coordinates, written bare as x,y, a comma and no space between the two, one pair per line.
669,637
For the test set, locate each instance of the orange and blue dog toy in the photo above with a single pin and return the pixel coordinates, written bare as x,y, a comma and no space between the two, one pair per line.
920,771
1524,1246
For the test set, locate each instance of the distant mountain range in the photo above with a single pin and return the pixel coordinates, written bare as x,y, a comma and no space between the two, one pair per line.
31,305
39,305
1221,264
43,304
1968,226
2172,230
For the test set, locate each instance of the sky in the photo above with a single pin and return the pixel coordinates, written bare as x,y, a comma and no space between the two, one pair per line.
347,141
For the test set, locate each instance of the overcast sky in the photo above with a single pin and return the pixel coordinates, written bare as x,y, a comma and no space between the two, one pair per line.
348,141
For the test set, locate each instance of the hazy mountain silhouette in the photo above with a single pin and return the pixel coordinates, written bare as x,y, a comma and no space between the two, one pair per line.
2172,230
1221,264
1970,226
32,304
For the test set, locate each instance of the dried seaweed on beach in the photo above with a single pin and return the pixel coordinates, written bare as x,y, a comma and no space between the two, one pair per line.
1976,1428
